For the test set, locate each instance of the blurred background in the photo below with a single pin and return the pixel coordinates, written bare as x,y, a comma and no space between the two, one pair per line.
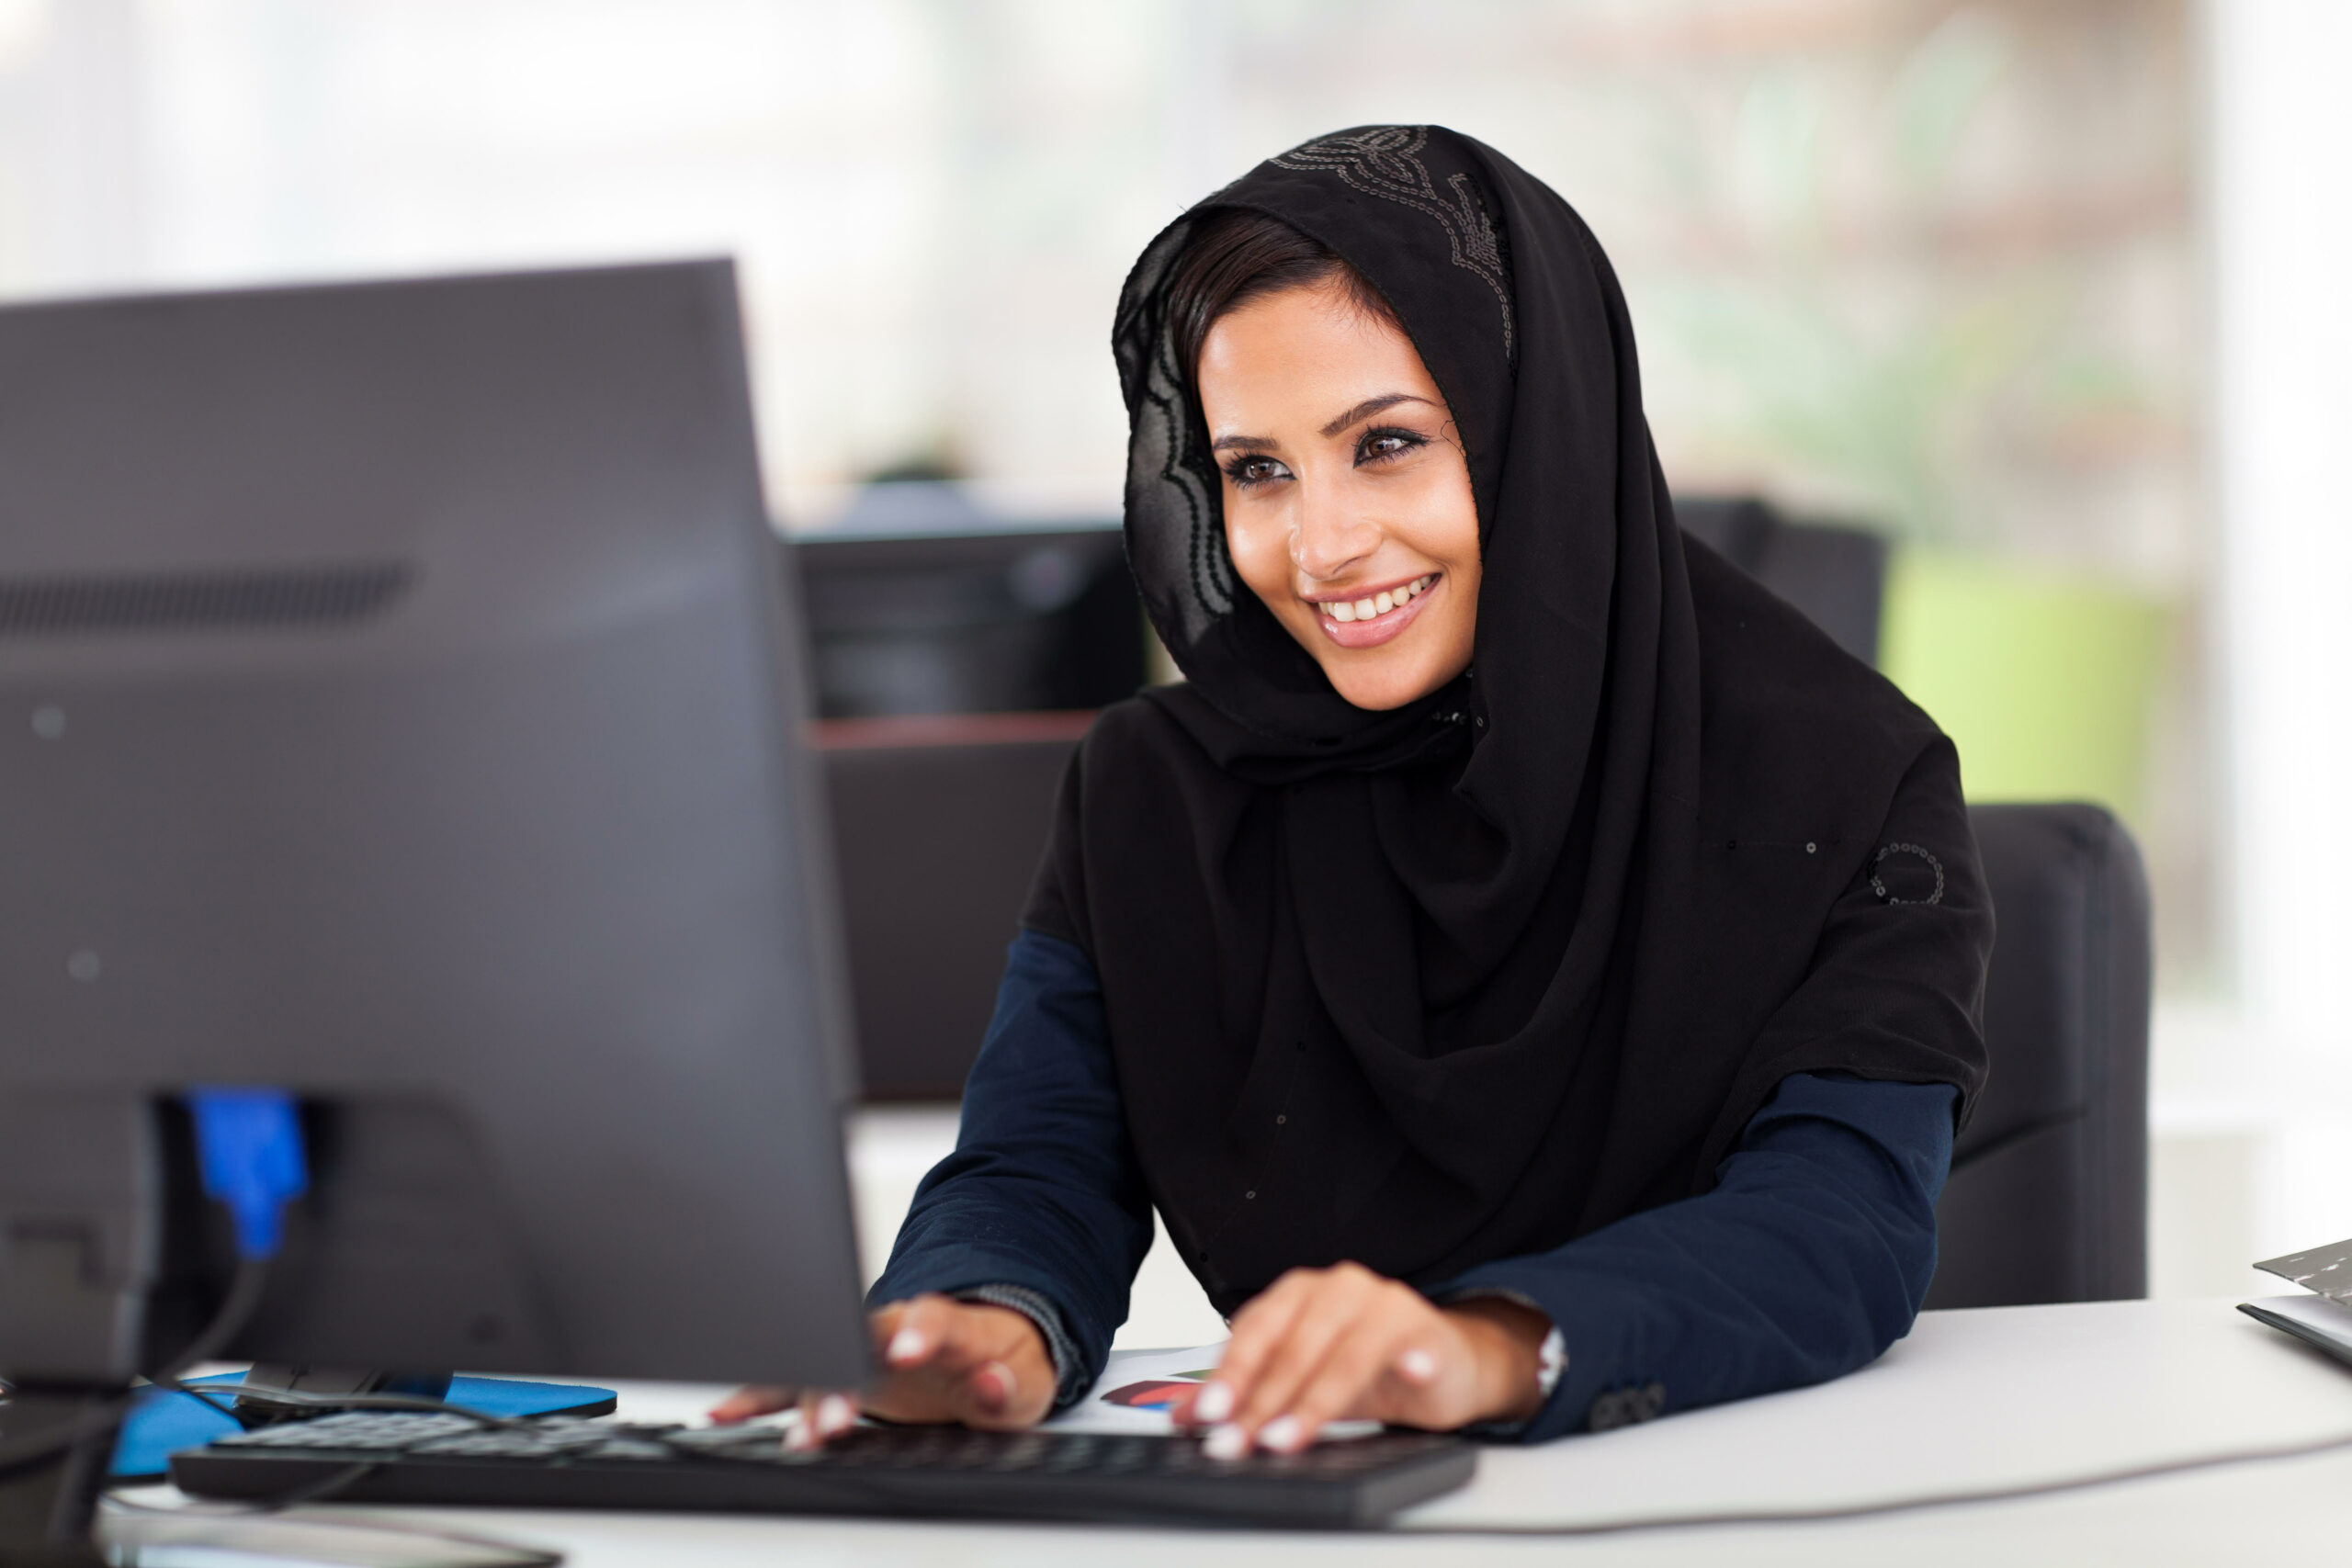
2044,294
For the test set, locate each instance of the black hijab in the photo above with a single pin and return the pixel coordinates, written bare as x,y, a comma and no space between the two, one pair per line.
1468,978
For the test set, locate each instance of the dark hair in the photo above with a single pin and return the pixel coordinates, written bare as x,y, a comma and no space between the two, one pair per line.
1237,256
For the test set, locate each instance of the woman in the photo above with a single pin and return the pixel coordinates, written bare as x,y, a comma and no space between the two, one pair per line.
1533,973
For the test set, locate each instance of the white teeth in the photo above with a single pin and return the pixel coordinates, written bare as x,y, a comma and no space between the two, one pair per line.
1380,603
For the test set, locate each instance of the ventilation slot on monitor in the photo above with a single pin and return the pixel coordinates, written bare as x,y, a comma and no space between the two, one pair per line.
221,601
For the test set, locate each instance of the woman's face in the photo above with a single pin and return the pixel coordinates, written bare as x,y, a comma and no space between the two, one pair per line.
1346,499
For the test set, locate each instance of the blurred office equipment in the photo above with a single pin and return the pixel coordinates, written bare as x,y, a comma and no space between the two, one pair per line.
2323,1320
938,824
967,619
956,661
2049,1192
399,711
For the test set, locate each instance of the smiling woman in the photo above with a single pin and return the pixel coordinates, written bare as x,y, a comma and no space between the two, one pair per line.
1347,498
1475,959
1348,508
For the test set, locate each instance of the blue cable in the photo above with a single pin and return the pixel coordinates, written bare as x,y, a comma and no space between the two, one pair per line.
249,1147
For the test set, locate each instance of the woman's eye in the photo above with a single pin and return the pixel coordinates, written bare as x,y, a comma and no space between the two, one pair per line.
1247,471
1378,445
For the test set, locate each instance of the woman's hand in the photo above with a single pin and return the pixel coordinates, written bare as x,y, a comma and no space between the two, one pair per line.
942,1361
1344,1343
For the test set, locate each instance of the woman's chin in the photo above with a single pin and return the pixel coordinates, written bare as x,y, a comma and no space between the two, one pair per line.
1381,690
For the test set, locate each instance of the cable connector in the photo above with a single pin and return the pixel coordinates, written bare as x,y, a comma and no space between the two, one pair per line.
249,1146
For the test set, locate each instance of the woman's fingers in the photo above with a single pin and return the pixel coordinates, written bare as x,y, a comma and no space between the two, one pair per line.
915,1333
1329,1344
942,1361
822,1414
1333,1307
947,1360
823,1417
759,1399
1349,1379
1342,1360
1320,1345
1279,1342
997,1399
1258,1331
1007,1379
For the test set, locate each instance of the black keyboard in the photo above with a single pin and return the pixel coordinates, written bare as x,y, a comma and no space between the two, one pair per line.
559,1461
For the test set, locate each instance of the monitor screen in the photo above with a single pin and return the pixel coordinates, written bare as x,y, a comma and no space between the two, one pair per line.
399,706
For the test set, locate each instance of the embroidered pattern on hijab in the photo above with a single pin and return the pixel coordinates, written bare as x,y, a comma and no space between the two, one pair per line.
1467,978
1382,161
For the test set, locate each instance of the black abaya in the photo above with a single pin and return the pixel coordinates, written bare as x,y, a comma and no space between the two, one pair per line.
1470,978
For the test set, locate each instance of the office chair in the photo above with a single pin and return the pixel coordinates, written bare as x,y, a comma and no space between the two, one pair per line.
2048,1200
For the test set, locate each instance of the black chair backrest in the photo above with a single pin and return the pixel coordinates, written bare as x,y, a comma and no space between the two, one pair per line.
1836,575
2048,1200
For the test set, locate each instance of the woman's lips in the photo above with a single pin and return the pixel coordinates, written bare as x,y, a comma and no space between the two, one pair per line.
1383,625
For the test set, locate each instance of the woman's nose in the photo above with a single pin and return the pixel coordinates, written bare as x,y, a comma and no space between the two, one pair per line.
1330,535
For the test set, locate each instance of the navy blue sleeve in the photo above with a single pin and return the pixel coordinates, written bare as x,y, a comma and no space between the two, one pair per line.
1043,1194
1807,1259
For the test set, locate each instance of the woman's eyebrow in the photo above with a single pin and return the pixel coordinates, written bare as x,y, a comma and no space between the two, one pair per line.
1362,410
1366,409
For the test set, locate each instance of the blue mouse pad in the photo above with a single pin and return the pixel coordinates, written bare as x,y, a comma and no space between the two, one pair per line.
161,1424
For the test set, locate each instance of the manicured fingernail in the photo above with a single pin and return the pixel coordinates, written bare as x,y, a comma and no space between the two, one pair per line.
905,1345
992,1386
801,1436
1419,1366
833,1413
1283,1434
1228,1441
1214,1403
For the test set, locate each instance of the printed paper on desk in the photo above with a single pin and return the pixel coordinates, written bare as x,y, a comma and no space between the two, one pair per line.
1135,1389
1137,1386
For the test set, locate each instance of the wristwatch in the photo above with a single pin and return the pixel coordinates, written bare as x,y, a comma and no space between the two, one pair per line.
1551,1360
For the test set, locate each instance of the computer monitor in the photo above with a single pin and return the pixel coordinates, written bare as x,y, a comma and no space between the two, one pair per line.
397,705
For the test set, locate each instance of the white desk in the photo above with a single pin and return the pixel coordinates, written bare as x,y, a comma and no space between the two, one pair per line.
1971,1399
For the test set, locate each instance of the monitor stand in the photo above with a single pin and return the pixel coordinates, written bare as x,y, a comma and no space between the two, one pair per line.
82,1188
47,1506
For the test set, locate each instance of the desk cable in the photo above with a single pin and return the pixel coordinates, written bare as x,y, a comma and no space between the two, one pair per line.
250,1152
1915,1502
224,1398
